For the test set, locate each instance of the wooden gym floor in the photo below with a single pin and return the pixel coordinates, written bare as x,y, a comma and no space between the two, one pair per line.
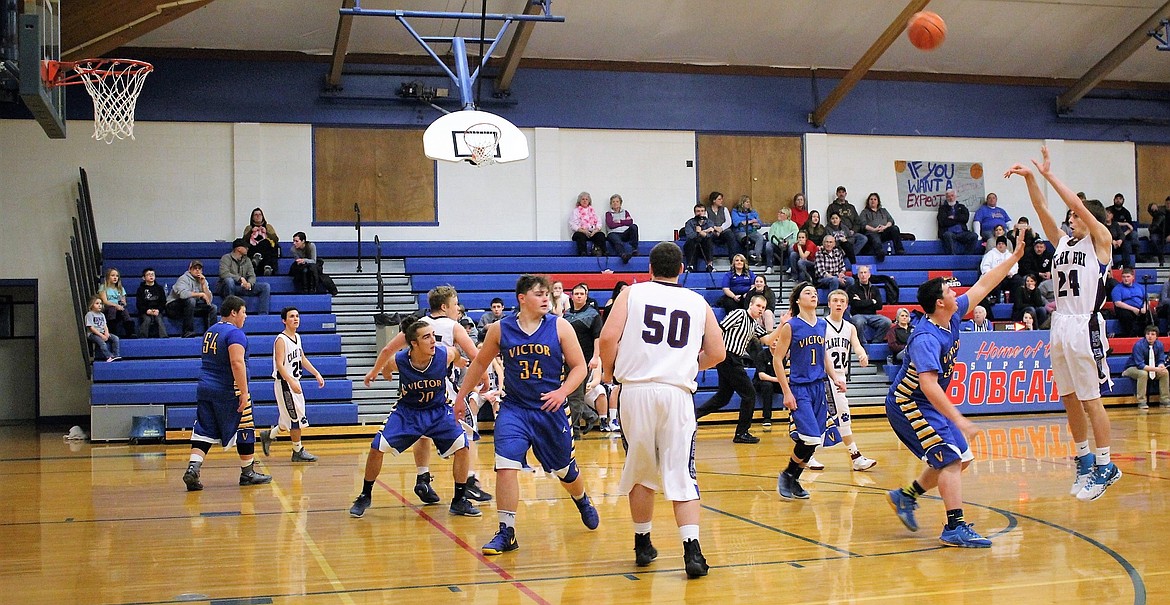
112,524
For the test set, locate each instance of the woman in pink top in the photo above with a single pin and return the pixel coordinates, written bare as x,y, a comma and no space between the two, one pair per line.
586,226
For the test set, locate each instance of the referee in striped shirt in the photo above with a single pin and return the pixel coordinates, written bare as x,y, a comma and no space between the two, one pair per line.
739,327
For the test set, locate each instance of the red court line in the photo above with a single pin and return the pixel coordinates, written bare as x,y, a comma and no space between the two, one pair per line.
461,543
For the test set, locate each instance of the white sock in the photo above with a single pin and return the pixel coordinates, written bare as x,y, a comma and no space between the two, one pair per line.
643,528
297,446
196,458
853,449
423,469
1102,456
1082,448
612,413
275,432
246,463
508,518
688,532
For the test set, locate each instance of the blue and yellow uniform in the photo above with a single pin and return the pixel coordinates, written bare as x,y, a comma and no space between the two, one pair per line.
217,415
919,425
533,365
806,379
422,408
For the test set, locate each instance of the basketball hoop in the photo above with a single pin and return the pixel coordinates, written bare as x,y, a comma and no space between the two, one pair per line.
113,84
482,141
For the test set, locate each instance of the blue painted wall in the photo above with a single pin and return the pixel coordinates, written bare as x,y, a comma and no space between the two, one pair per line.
238,91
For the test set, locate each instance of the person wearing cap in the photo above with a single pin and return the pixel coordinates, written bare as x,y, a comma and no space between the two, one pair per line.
237,276
1037,261
992,259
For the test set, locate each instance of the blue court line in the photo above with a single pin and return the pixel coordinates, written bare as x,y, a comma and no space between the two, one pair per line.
226,513
780,531
243,601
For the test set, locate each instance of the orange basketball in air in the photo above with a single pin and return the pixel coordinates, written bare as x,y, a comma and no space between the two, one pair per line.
926,30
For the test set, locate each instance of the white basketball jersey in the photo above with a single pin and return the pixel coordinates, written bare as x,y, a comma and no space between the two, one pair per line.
662,336
292,357
1079,277
839,344
444,329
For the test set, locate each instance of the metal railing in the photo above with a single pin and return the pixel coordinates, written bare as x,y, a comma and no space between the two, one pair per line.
357,209
83,262
378,264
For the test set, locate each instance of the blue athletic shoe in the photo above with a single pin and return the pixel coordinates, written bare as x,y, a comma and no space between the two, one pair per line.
1103,477
589,514
903,506
1084,473
963,536
504,541
789,488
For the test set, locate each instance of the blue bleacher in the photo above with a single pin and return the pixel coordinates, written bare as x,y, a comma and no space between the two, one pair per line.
526,264
305,303
325,414
139,393
127,370
169,348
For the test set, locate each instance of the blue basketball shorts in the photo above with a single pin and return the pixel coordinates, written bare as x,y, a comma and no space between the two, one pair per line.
926,432
807,423
547,434
218,420
405,425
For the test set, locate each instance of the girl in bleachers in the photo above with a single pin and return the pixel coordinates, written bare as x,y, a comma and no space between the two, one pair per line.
799,210
262,243
746,222
814,228
736,284
558,303
113,296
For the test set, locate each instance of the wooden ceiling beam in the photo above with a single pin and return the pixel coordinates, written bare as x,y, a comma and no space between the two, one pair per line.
1124,50
516,46
854,75
340,46
92,29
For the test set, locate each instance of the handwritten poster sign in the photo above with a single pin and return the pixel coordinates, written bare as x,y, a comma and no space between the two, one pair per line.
923,185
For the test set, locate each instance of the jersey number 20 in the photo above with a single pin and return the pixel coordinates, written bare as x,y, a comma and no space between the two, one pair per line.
676,331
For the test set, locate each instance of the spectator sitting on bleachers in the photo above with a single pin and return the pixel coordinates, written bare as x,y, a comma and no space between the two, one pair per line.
586,226
1024,228
848,241
586,324
113,297
1037,261
802,257
558,301
304,268
151,299
952,219
898,335
815,228
878,225
721,220
736,284
237,277
765,381
996,233
1148,360
760,288
1160,229
1027,298
840,205
978,322
1122,236
778,244
98,332
746,223
799,211
1129,305
623,233
494,313
864,304
830,266
1066,226
988,216
191,296
1122,217
469,327
617,289
992,259
698,233
261,243
1027,322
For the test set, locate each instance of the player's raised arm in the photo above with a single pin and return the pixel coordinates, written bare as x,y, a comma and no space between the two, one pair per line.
1048,222
1102,239
611,334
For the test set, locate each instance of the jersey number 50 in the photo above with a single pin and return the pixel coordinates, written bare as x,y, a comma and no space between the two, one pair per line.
676,331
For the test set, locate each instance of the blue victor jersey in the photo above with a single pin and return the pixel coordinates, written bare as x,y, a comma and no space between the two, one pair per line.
215,379
533,364
426,388
806,353
931,348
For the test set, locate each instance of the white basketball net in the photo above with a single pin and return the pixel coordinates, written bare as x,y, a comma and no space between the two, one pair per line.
114,85
482,141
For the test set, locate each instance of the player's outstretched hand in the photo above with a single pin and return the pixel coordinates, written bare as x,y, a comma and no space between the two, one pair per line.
1044,166
1018,169
553,400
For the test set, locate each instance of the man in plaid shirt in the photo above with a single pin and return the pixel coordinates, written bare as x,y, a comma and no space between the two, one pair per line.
830,266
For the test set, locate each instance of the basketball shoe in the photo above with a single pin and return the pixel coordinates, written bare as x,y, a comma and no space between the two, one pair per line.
963,536
789,487
475,490
1103,477
644,551
504,541
589,514
303,455
249,476
360,504
424,491
464,508
696,563
1084,473
861,463
903,506
191,478
814,465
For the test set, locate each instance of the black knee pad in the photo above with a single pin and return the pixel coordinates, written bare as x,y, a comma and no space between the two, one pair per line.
803,451
246,448
202,446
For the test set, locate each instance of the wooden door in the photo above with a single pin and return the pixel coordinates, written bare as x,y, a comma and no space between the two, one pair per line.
1153,178
777,173
384,170
725,164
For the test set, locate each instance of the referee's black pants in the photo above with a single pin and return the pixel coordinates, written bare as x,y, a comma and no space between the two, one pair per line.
732,379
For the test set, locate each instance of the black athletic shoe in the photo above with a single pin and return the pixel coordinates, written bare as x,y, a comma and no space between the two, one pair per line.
266,441
360,504
424,491
463,508
475,491
191,478
249,476
644,551
745,438
693,558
